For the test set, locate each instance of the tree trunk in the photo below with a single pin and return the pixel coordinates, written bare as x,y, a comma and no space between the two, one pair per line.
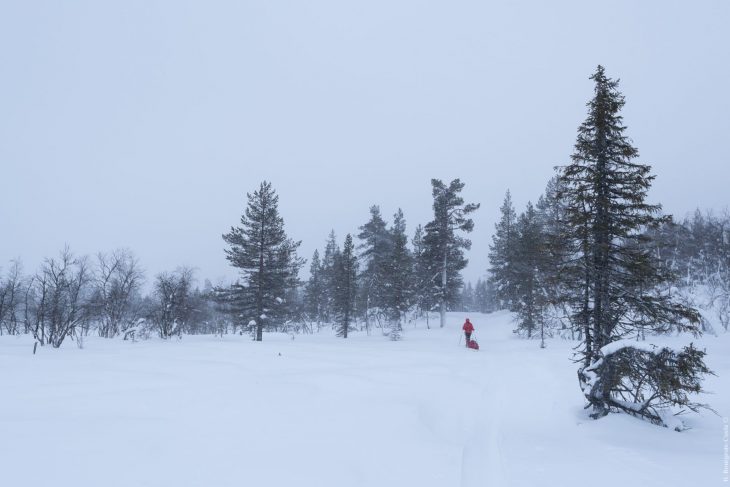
442,304
542,334
367,311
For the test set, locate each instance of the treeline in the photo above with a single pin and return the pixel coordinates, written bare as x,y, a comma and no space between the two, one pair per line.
480,297
375,279
530,253
72,296
381,278
697,250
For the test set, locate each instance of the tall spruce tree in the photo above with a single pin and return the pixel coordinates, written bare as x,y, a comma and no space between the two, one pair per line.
374,251
558,247
502,254
443,255
422,280
314,293
266,258
399,277
345,278
616,279
528,269
329,259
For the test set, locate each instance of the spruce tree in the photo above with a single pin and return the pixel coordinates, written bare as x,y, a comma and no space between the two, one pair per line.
502,254
616,279
314,293
443,253
528,270
266,258
374,251
422,280
331,251
557,240
345,278
399,277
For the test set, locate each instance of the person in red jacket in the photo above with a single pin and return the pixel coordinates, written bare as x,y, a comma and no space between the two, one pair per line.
468,329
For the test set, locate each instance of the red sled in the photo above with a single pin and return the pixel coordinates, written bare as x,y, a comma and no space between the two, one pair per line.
473,344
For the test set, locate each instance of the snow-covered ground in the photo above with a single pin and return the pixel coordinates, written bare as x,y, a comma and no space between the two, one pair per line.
321,411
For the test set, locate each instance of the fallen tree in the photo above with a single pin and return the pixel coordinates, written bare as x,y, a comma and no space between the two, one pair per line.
646,381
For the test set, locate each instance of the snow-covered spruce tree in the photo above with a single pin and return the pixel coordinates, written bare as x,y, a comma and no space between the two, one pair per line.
345,290
527,269
331,251
399,277
423,276
374,252
558,249
314,292
266,258
502,254
615,292
443,255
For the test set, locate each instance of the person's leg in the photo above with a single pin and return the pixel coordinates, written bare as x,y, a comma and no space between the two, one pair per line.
468,337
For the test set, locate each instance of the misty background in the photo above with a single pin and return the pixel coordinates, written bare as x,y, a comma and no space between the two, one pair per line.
143,124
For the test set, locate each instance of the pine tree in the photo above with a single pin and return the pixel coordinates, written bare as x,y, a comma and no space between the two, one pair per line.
331,251
502,254
615,278
399,277
346,287
558,243
266,258
374,251
423,279
314,293
528,269
443,253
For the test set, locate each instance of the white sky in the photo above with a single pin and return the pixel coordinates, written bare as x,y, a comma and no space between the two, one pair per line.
142,124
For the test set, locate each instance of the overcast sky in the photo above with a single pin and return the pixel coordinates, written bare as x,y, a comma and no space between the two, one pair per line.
143,124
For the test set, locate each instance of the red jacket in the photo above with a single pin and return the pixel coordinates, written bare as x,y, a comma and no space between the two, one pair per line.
468,327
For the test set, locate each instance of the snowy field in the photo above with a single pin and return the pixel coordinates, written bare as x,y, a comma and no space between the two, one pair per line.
321,411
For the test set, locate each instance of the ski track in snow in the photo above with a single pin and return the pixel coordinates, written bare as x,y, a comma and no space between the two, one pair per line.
481,457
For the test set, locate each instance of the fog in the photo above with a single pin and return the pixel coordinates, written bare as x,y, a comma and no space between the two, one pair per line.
143,124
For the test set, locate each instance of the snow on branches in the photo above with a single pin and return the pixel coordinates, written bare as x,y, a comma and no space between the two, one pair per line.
644,380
